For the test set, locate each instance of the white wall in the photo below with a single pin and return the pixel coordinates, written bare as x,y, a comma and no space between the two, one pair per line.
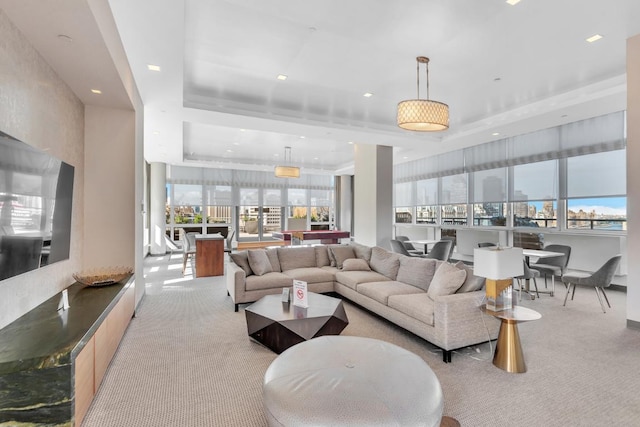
110,199
373,194
39,109
633,176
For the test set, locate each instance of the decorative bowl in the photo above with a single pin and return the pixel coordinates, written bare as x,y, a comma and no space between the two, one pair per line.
102,276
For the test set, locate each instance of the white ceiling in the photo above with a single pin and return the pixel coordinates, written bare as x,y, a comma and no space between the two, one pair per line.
216,100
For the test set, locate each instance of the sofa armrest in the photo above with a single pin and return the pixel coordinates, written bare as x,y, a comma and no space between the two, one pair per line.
236,281
459,320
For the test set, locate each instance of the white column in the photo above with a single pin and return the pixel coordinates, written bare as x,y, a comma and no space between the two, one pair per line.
373,195
345,202
157,220
633,178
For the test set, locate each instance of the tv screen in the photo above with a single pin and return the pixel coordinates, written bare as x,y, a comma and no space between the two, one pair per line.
36,192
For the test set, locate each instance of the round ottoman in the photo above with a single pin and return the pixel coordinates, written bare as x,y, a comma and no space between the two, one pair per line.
338,380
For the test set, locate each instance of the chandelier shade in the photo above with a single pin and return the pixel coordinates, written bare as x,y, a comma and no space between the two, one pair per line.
287,171
423,115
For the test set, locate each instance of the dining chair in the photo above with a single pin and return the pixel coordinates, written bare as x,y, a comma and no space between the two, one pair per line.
407,244
441,250
188,249
228,244
398,247
599,280
486,244
553,266
453,244
528,274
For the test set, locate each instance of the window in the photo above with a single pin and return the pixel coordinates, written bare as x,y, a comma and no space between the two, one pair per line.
219,204
454,200
596,191
427,201
489,197
404,215
321,202
187,205
535,189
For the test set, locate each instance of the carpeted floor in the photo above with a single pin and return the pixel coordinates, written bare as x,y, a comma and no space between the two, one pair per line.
186,360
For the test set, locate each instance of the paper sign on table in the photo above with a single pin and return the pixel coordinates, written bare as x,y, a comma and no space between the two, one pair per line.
300,293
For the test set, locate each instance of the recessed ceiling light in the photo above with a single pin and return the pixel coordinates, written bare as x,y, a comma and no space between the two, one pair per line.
594,38
495,133
229,151
242,130
350,142
65,38
315,158
236,143
302,137
368,95
281,77
155,132
152,67
96,91
513,2
405,157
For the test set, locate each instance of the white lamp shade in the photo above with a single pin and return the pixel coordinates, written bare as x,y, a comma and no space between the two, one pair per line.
498,264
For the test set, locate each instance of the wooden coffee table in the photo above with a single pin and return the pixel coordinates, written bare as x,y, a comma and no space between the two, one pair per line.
279,325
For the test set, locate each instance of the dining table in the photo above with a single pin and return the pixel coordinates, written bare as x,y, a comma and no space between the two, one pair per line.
539,254
424,242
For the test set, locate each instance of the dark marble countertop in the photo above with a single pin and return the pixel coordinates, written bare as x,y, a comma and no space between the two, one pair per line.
46,337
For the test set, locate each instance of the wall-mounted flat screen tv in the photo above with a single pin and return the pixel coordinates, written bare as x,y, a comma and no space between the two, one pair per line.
36,192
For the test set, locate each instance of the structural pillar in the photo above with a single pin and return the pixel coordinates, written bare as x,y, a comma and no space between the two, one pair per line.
633,176
373,195
157,206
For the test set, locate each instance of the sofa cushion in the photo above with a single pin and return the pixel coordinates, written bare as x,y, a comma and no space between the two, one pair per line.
384,262
341,253
322,256
272,253
241,259
471,283
259,261
268,281
362,251
297,257
352,279
446,281
311,275
416,271
355,264
418,306
381,291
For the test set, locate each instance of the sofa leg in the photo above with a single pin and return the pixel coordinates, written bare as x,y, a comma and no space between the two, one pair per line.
446,356
236,308
228,294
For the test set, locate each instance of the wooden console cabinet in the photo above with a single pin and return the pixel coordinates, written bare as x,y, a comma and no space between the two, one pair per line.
209,255
52,362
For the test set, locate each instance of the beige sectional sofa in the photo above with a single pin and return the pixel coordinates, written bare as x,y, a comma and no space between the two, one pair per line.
435,300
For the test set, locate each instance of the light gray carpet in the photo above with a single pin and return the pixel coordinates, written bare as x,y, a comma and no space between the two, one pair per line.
186,360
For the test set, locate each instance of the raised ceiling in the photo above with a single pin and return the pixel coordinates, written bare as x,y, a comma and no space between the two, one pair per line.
217,102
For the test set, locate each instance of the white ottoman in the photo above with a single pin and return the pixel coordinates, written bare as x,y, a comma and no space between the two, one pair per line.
341,380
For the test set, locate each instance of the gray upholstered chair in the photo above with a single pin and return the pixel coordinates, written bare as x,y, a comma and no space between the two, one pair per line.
398,247
441,250
486,244
453,244
529,274
228,244
553,266
188,249
599,280
412,249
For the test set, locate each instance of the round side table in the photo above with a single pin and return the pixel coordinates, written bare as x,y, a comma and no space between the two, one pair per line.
508,355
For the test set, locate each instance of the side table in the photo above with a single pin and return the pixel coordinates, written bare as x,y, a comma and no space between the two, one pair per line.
508,355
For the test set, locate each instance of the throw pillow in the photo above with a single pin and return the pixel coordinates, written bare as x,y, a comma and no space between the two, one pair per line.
446,281
361,251
259,262
385,262
272,253
332,259
341,253
416,271
242,260
471,283
322,256
355,264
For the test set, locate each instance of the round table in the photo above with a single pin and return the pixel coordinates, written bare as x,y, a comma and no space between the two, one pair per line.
341,380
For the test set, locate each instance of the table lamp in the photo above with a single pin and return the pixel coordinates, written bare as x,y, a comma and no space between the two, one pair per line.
498,266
